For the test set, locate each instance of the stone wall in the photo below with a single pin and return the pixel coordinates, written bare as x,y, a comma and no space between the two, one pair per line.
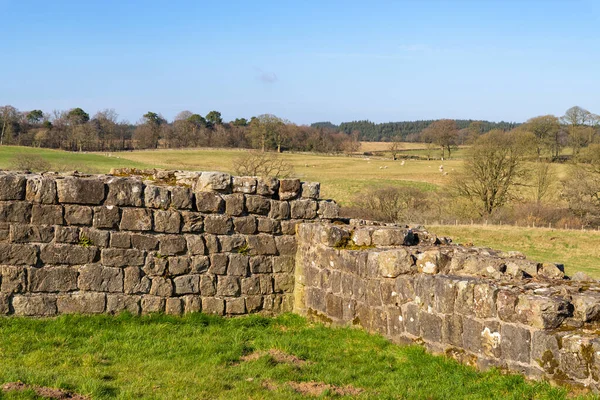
482,307
150,241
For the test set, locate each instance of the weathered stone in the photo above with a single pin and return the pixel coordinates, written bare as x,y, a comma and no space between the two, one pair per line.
464,297
188,284
251,285
218,224
506,301
283,264
430,261
552,271
209,202
234,204
66,234
391,263
268,225
286,245
157,197
237,265
261,244
212,244
310,190
192,222
81,303
199,264
195,244
19,212
261,265
4,303
136,219
68,254
210,305
93,237
31,233
228,286
98,278
289,227
258,205
542,312
172,245
107,217
235,306
283,283
245,225
182,198
362,237
267,186
279,210
207,286
391,237
586,306
167,221
40,189
152,304
12,187
231,243
52,279
328,209
515,343
122,257
135,282
484,300
124,192
161,287
213,182
34,305
304,209
46,214
289,189
192,304
121,240
78,190
144,242
78,215
179,265
12,279
244,184
118,303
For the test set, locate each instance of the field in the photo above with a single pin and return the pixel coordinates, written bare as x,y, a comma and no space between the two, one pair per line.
203,357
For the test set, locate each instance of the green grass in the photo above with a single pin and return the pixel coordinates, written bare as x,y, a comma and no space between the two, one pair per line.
577,250
198,356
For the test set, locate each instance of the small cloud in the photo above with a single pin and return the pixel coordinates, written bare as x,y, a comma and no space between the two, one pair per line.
266,76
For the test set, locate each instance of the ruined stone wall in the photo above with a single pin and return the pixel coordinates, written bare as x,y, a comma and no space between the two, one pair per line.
150,241
482,307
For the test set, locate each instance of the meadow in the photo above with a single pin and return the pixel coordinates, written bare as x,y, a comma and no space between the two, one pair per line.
204,357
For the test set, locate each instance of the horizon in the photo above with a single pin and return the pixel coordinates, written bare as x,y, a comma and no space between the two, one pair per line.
312,62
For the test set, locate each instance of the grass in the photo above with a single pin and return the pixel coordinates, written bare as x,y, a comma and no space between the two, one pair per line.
198,356
577,250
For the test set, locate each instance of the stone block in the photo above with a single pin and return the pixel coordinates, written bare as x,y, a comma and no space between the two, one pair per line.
66,234
542,312
157,197
251,285
333,305
586,306
213,182
4,303
279,210
118,303
237,265
253,303
286,245
228,286
445,294
52,279
207,286
283,264
18,212
179,265
192,304
361,237
208,202
431,327
192,222
12,279
182,198
124,192
34,305
258,205
46,214
218,264
289,189
411,315
303,209
162,287
328,209
262,244
390,237
266,284
283,283
390,263
107,217
121,240
506,302
167,221
289,227
244,184
261,265
78,215
268,225
218,224
245,225
144,242
171,245
199,264
122,257
152,304
515,343
12,187
135,282
210,305
76,190
231,243
464,297
68,254
267,186
97,278
155,266
173,306
40,189
472,335
235,306
195,244
31,233
235,204
136,219
310,190
81,303
188,284
452,330
484,300
552,271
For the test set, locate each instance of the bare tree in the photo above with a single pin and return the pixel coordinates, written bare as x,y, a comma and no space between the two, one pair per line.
254,163
444,133
396,146
545,129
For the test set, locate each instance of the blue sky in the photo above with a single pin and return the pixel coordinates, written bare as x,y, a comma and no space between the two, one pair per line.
305,60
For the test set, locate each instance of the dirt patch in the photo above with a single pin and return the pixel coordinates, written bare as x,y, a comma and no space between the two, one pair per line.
277,355
318,388
42,391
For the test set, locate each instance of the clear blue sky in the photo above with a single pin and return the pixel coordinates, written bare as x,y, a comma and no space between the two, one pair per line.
307,61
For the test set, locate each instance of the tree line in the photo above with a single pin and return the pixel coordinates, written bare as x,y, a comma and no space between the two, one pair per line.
76,130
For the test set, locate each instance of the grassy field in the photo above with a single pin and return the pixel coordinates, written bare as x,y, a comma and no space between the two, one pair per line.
578,250
202,357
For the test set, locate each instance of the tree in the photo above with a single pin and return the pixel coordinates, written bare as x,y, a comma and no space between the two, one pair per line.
576,118
255,163
35,116
9,116
147,134
396,146
493,169
545,129
240,122
266,132
214,118
444,133
77,116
